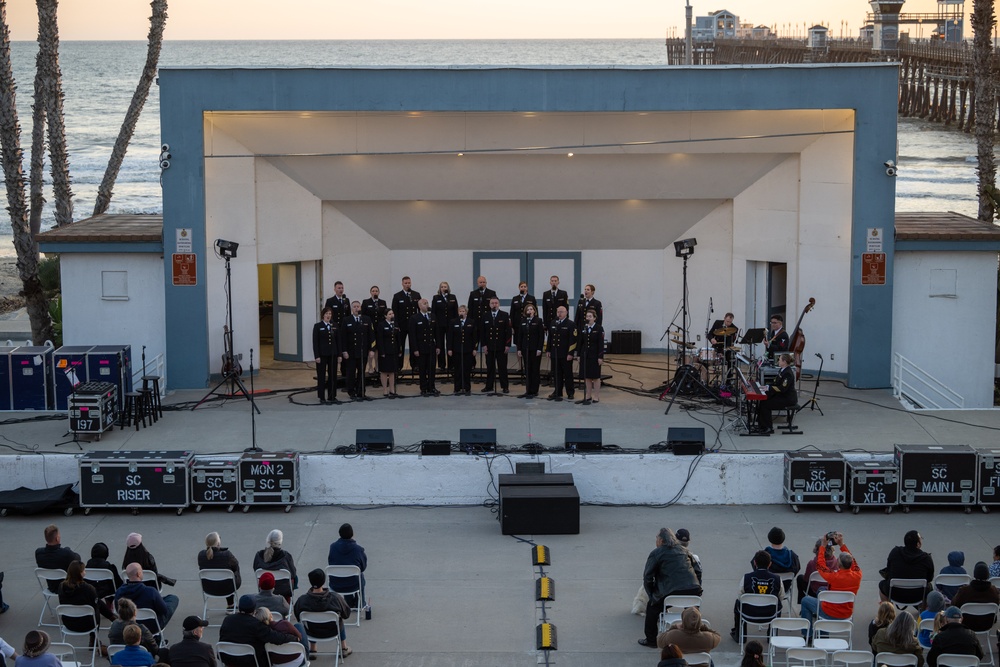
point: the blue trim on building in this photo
(944, 246)
(67, 247)
(869, 89)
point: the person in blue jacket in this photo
(346, 551)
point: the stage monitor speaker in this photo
(583, 439)
(435, 447)
(686, 441)
(530, 468)
(374, 440)
(539, 510)
(475, 440)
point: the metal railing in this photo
(920, 388)
(155, 366)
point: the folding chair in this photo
(698, 659)
(44, 576)
(357, 588)
(291, 648)
(852, 658)
(232, 650)
(924, 624)
(324, 621)
(953, 580)
(956, 660)
(61, 649)
(813, 657)
(787, 584)
(114, 648)
(980, 617)
(841, 631)
(279, 575)
(835, 597)
(77, 620)
(896, 659)
(99, 578)
(758, 610)
(676, 604)
(993, 580)
(907, 592)
(817, 578)
(148, 617)
(222, 581)
(794, 627)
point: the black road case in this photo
(93, 408)
(70, 363)
(815, 478)
(989, 478)
(31, 377)
(937, 475)
(873, 484)
(269, 479)
(215, 481)
(135, 479)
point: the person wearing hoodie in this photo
(956, 565)
(979, 589)
(690, 634)
(99, 555)
(346, 551)
(907, 562)
(935, 603)
(783, 559)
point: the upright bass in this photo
(797, 343)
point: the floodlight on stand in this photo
(685, 248)
(227, 249)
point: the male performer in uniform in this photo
(518, 303)
(462, 343)
(530, 345)
(326, 349)
(588, 302)
(374, 308)
(494, 336)
(404, 305)
(422, 347)
(479, 300)
(444, 309)
(357, 347)
(338, 303)
(777, 338)
(560, 348)
(552, 299)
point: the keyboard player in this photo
(780, 394)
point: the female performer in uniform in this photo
(387, 337)
(590, 350)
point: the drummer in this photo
(722, 336)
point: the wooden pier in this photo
(935, 80)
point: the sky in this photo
(431, 19)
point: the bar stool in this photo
(153, 380)
(132, 411)
(146, 405)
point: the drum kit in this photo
(718, 360)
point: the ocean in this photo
(936, 165)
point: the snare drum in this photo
(708, 355)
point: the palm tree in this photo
(36, 177)
(10, 147)
(983, 20)
(157, 22)
(50, 76)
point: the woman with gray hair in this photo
(272, 558)
(217, 557)
(670, 570)
(899, 637)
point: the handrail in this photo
(915, 384)
(155, 366)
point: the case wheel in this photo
(857, 509)
(86, 511)
(3, 512)
(66, 512)
(197, 509)
(906, 509)
(180, 510)
(888, 510)
(246, 508)
(230, 508)
(838, 508)
(986, 510)
(795, 508)
(288, 508)
(967, 510)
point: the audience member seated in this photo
(847, 578)
(954, 638)
(934, 605)
(245, 628)
(690, 634)
(683, 536)
(995, 565)
(907, 562)
(783, 559)
(263, 614)
(74, 590)
(346, 551)
(146, 597)
(956, 565)
(36, 647)
(320, 598)
(885, 615)
(7, 651)
(979, 589)
(191, 651)
(671, 656)
(133, 655)
(670, 570)
(273, 557)
(761, 582)
(136, 552)
(126, 617)
(54, 556)
(99, 561)
(899, 637)
(217, 557)
(803, 579)
(753, 654)
(266, 597)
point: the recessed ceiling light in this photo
(569, 155)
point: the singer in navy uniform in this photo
(517, 304)
(423, 348)
(444, 309)
(326, 349)
(387, 336)
(530, 345)
(357, 347)
(590, 350)
(495, 336)
(780, 394)
(552, 299)
(374, 308)
(338, 303)
(404, 303)
(479, 300)
(560, 347)
(588, 302)
(462, 343)
(777, 337)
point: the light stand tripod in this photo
(813, 402)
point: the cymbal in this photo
(678, 341)
(734, 348)
(725, 331)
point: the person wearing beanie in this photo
(244, 628)
(272, 557)
(136, 552)
(979, 589)
(266, 597)
(99, 555)
(954, 638)
(320, 598)
(35, 653)
(191, 651)
(217, 557)
(783, 559)
(956, 565)
(346, 551)
(691, 634)
(907, 562)
(935, 603)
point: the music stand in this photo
(752, 337)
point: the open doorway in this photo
(767, 293)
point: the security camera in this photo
(164, 148)
(164, 164)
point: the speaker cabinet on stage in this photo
(937, 474)
(539, 510)
(686, 441)
(5, 397)
(374, 440)
(536, 479)
(626, 342)
(583, 439)
(435, 448)
(70, 371)
(475, 440)
(31, 378)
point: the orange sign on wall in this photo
(873, 268)
(185, 269)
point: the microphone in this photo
(581, 295)
(819, 355)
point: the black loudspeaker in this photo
(539, 510)
(583, 439)
(530, 468)
(474, 440)
(686, 441)
(435, 447)
(374, 440)
(685, 384)
(626, 341)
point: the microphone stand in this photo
(253, 412)
(813, 402)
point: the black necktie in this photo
(357, 319)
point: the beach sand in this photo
(10, 284)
